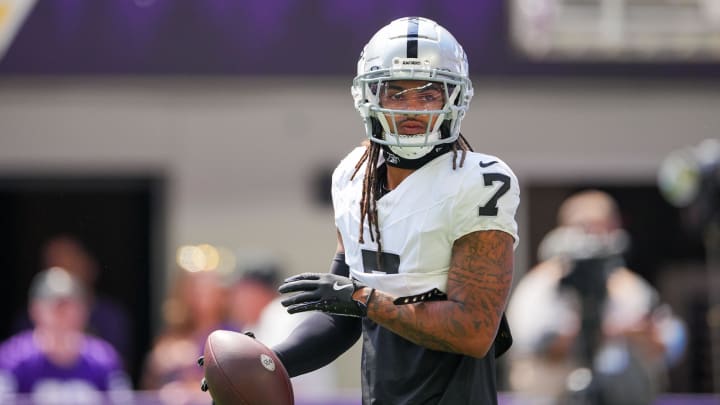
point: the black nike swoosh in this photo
(483, 164)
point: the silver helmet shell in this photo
(412, 48)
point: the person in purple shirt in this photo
(56, 361)
(107, 318)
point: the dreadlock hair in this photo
(371, 190)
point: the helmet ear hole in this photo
(445, 129)
(377, 129)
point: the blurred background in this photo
(172, 137)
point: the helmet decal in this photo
(412, 35)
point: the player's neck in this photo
(396, 175)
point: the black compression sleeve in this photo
(321, 338)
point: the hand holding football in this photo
(241, 370)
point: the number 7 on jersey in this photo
(490, 209)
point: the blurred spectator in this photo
(195, 306)
(252, 290)
(56, 362)
(107, 319)
(255, 306)
(588, 330)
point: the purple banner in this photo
(266, 37)
(224, 36)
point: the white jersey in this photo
(421, 219)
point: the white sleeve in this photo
(341, 175)
(488, 200)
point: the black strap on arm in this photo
(503, 339)
(321, 338)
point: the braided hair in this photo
(371, 190)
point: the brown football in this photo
(240, 370)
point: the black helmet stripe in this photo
(412, 35)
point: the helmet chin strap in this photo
(395, 160)
(412, 152)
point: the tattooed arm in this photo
(478, 285)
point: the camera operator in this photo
(588, 330)
(689, 178)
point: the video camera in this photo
(590, 259)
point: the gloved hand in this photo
(203, 382)
(324, 292)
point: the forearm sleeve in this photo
(321, 338)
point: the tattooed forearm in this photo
(478, 285)
(481, 274)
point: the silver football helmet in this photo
(417, 49)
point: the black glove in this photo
(203, 382)
(324, 292)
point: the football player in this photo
(426, 235)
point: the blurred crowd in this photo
(72, 344)
(587, 329)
